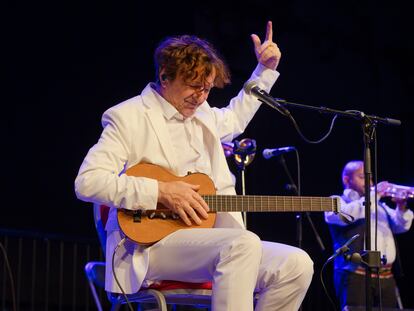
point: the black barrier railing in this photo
(48, 271)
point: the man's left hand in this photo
(267, 53)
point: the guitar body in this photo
(152, 229)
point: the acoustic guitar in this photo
(148, 227)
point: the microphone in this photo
(268, 153)
(344, 248)
(251, 88)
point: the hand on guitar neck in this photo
(183, 199)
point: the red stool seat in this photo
(172, 285)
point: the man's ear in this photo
(345, 180)
(162, 78)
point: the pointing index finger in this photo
(269, 31)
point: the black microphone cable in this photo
(115, 277)
(334, 306)
(296, 126)
(276, 103)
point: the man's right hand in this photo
(182, 199)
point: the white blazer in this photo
(135, 131)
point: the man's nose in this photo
(201, 96)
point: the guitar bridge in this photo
(136, 216)
(160, 215)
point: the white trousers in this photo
(238, 264)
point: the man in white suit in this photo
(170, 124)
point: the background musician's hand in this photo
(382, 188)
(182, 199)
(400, 204)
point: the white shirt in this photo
(397, 221)
(187, 140)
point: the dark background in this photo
(66, 63)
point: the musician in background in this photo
(171, 124)
(349, 278)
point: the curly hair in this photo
(190, 58)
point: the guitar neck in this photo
(257, 203)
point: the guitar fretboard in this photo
(258, 203)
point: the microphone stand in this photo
(371, 258)
(244, 152)
(297, 191)
(369, 122)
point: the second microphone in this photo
(269, 153)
